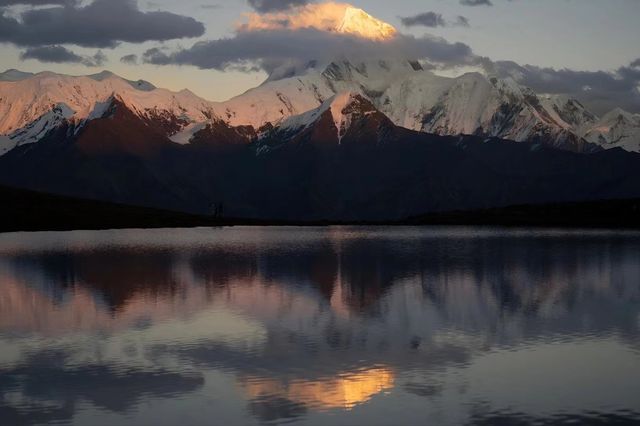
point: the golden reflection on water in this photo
(344, 391)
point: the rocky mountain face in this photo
(347, 118)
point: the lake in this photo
(320, 326)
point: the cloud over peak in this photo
(313, 32)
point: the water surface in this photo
(320, 326)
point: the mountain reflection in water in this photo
(320, 325)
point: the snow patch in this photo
(184, 136)
(37, 129)
(100, 109)
(341, 120)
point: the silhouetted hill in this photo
(24, 210)
(594, 214)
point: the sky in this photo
(579, 47)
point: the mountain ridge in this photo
(409, 95)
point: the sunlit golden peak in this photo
(358, 22)
(331, 17)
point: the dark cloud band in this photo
(427, 19)
(433, 20)
(60, 55)
(36, 2)
(476, 2)
(277, 47)
(103, 23)
(265, 6)
(129, 59)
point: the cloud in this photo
(264, 6)
(56, 389)
(601, 90)
(433, 20)
(102, 23)
(35, 2)
(462, 21)
(476, 2)
(59, 55)
(309, 33)
(314, 32)
(129, 59)
(270, 49)
(427, 19)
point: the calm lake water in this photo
(320, 326)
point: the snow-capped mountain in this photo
(330, 17)
(617, 128)
(412, 97)
(31, 105)
(334, 139)
(407, 92)
(345, 160)
(358, 22)
(417, 99)
(37, 129)
(570, 111)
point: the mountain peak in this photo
(102, 75)
(333, 120)
(360, 23)
(340, 106)
(28, 102)
(323, 16)
(618, 115)
(143, 85)
(347, 103)
(14, 75)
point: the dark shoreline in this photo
(29, 211)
